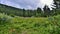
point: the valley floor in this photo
(33, 25)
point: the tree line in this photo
(28, 13)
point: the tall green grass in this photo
(33, 25)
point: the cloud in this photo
(49, 3)
(10, 3)
(27, 4)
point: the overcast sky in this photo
(27, 4)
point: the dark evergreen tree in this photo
(46, 11)
(38, 10)
(23, 12)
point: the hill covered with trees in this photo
(28, 13)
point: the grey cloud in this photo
(21, 3)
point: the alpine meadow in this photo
(43, 20)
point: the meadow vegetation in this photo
(33, 25)
(18, 21)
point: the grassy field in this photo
(26, 25)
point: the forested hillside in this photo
(27, 13)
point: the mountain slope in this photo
(12, 11)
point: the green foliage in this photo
(4, 19)
(26, 25)
(27, 13)
(21, 21)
